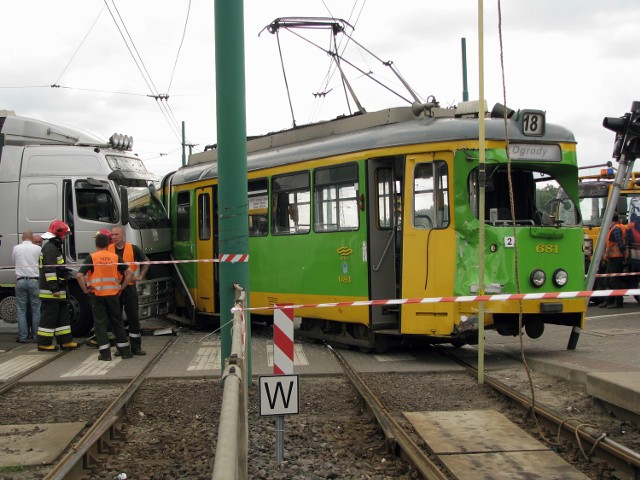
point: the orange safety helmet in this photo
(106, 232)
(59, 228)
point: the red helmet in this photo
(59, 228)
(106, 232)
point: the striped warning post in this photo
(282, 340)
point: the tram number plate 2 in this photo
(509, 242)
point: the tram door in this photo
(428, 263)
(205, 297)
(383, 217)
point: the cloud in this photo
(575, 59)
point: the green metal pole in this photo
(184, 157)
(465, 91)
(233, 225)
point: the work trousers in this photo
(615, 265)
(107, 312)
(54, 322)
(129, 301)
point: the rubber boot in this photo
(91, 342)
(105, 355)
(69, 346)
(136, 346)
(124, 353)
(47, 348)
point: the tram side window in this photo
(336, 198)
(258, 207)
(290, 204)
(204, 216)
(385, 198)
(183, 216)
(431, 195)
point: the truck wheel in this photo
(9, 309)
(81, 318)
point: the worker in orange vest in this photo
(614, 254)
(129, 297)
(106, 276)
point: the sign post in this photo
(279, 393)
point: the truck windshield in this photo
(592, 209)
(145, 208)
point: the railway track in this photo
(591, 442)
(397, 439)
(100, 406)
(107, 428)
(567, 432)
(170, 424)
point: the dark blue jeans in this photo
(28, 295)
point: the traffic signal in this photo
(618, 125)
(627, 130)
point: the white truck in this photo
(52, 172)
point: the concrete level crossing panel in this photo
(484, 444)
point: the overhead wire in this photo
(516, 253)
(161, 100)
(184, 33)
(352, 65)
(57, 82)
(333, 67)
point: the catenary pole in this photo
(481, 181)
(233, 225)
(184, 141)
(465, 91)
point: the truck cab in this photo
(49, 172)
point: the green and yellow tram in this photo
(385, 205)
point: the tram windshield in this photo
(538, 198)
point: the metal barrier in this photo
(233, 428)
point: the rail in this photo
(397, 440)
(233, 427)
(80, 455)
(625, 460)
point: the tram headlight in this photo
(560, 278)
(537, 278)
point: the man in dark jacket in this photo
(54, 313)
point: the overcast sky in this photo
(576, 59)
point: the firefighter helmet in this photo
(59, 228)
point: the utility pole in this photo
(184, 158)
(233, 224)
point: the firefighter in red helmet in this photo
(55, 314)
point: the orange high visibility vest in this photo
(635, 246)
(613, 249)
(127, 256)
(104, 277)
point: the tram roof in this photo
(387, 128)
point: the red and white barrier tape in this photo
(222, 258)
(625, 274)
(464, 299)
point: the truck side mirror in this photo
(124, 205)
